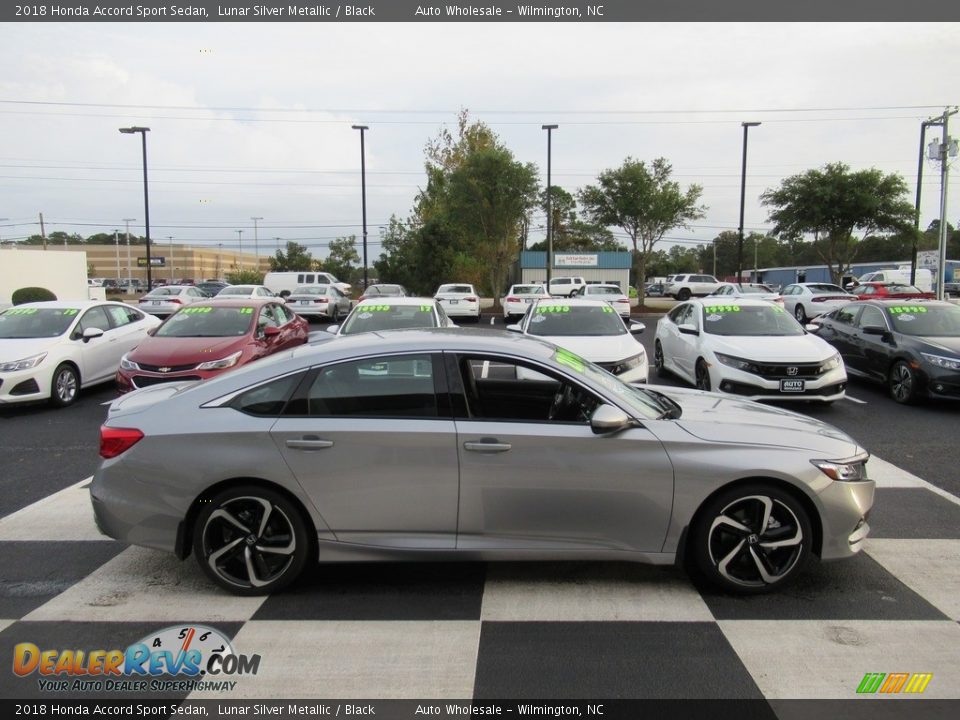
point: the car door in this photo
(367, 442)
(535, 479)
(129, 326)
(843, 338)
(99, 358)
(872, 351)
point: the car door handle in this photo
(309, 443)
(486, 446)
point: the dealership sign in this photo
(565, 260)
(155, 261)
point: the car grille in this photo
(736, 388)
(781, 371)
(146, 380)
(169, 368)
(27, 387)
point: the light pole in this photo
(549, 129)
(127, 222)
(146, 196)
(363, 194)
(170, 259)
(278, 243)
(256, 245)
(240, 236)
(743, 190)
(116, 244)
(219, 251)
(916, 214)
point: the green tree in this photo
(570, 233)
(343, 259)
(296, 257)
(833, 204)
(644, 202)
(245, 277)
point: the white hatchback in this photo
(751, 348)
(49, 350)
(591, 329)
(459, 300)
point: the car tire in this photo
(902, 382)
(232, 557)
(683, 295)
(335, 315)
(64, 386)
(800, 314)
(702, 375)
(658, 360)
(751, 539)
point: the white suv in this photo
(566, 286)
(683, 287)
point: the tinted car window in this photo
(267, 400)
(21, 322)
(872, 316)
(847, 315)
(94, 318)
(749, 320)
(383, 316)
(395, 386)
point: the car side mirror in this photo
(812, 327)
(91, 333)
(271, 331)
(636, 328)
(515, 328)
(152, 331)
(874, 330)
(687, 329)
(608, 419)
(332, 329)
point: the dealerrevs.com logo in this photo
(196, 656)
(894, 683)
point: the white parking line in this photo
(854, 400)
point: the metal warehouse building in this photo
(819, 273)
(594, 267)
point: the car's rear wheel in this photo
(64, 386)
(658, 359)
(752, 539)
(800, 314)
(702, 375)
(683, 295)
(251, 540)
(902, 382)
(335, 315)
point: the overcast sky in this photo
(254, 119)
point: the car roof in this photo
(233, 302)
(588, 302)
(69, 305)
(604, 285)
(897, 302)
(743, 300)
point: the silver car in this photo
(427, 444)
(806, 301)
(320, 301)
(169, 299)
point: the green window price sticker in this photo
(246, 311)
(721, 308)
(196, 310)
(553, 309)
(907, 309)
(565, 357)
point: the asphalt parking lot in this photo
(511, 630)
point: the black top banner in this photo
(480, 11)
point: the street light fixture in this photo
(146, 196)
(743, 189)
(363, 191)
(549, 129)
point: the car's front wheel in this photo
(658, 360)
(64, 386)
(752, 539)
(902, 382)
(251, 540)
(702, 375)
(800, 314)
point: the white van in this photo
(924, 278)
(284, 283)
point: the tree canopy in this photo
(296, 257)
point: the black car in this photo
(911, 346)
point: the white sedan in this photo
(519, 297)
(459, 300)
(591, 329)
(170, 298)
(749, 348)
(49, 350)
(247, 291)
(611, 294)
(809, 300)
(731, 291)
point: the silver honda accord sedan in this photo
(457, 444)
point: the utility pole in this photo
(129, 272)
(43, 233)
(170, 259)
(916, 217)
(947, 148)
(256, 245)
(116, 246)
(240, 248)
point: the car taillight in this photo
(178, 301)
(513, 299)
(362, 298)
(321, 300)
(470, 299)
(114, 441)
(820, 299)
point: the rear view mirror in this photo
(609, 419)
(91, 333)
(514, 328)
(687, 329)
(636, 327)
(332, 329)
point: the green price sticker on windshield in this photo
(907, 309)
(22, 311)
(607, 309)
(70, 312)
(425, 308)
(565, 357)
(246, 311)
(377, 308)
(196, 310)
(721, 308)
(553, 309)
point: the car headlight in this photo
(223, 363)
(127, 364)
(843, 470)
(738, 363)
(832, 364)
(940, 361)
(629, 363)
(26, 363)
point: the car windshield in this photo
(311, 290)
(755, 290)
(601, 290)
(208, 321)
(384, 316)
(926, 320)
(26, 322)
(559, 320)
(526, 290)
(826, 288)
(236, 290)
(902, 289)
(163, 292)
(464, 289)
(385, 290)
(750, 320)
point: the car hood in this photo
(793, 348)
(947, 344)
(19, 348)
(603, 348)
(724, 419)
(185, 350)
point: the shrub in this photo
(31, 294)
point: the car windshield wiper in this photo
(671, 410)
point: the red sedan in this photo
(209, 337)
(890, 291)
